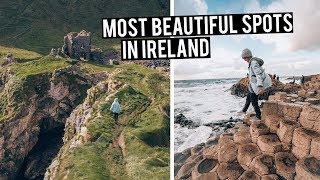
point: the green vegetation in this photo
(145, 127)
(40, 25)
(19, 54)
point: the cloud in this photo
(306, 15)
(284, 54)
(190, 7)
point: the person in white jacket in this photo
(258, 81)
(115, 108)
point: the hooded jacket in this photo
(115, 106)
(258, 79)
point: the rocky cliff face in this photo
(283, 145)
(55, 119)
(35, 110)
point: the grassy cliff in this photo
(40, 25)
(144, 129)
(136, 149)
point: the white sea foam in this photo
(203, 101)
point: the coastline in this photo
(284, 144)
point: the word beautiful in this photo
(198, 25)
(165, 48)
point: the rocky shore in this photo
(241, 88)
(285, 144)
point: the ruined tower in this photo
(77, 45)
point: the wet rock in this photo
(212, 142)
(263, 164)
(197, 148)
(205, 169)
(308, 168)
(186, 170)
(285, 164)
(246, 153)
(230, 171)
(184, 122)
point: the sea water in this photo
(205, 101)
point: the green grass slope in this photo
(40, 25)
(145, 127)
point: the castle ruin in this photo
(77, 45)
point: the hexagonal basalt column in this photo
(269, 143)
(301, 141)
(308, 168)
(205, 169)
(285, 164)
(246, 153)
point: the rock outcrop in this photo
(311, 84)
(36, 109)
(283, 145)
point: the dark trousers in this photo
(253, 99)
(116, 116)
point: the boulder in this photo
(263, 164)
(230, 171)
(301, 141)
(205, 169)
(285, 132)
(269, 143)
(308, 168)
(285, 164)
(257, 129)
(249, 174)
(228, 152)
(246, 153)
(272, 121)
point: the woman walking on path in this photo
(115, 108)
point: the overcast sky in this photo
(284, 54)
